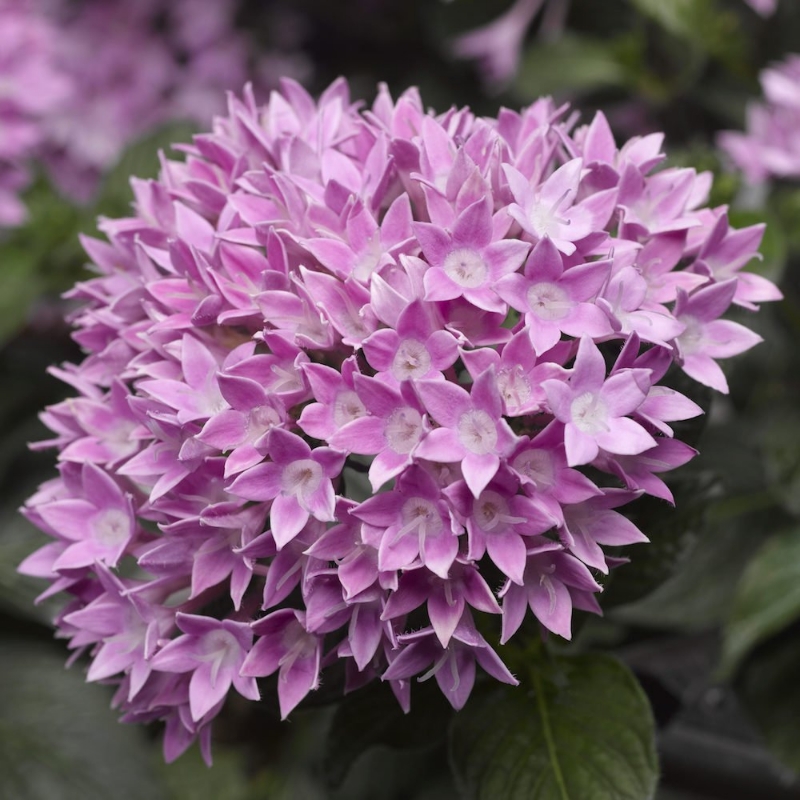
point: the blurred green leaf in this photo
(572, 63)
(770, 692)
(698, 596)
(705, 24)
(59, 740)
(18, 540)
(781, 444)
(581, 730)
(189, 778)
(21, 286)
(768, 598)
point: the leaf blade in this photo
(523, 744)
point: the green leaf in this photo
(768, 598)
(59, 740)
(770, 692)
(698, 596)
(372, 717)
(572, 63)
(582, 730)
(190, 779)
(672, 531)
(702, 23)
(21, 285)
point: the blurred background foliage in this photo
(707, 617)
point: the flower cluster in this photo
(770, 147)
(345, 370)
(32, 88)
(83, 80)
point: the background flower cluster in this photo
(83, 80)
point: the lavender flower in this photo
(770, 145)
(82, 81)
(765, 8)
(318, 294)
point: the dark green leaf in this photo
(768, 687)
(698, 596)
(582, 730)
(59, 740)
(768, 598)
(372, 716)
(671, 531)
(190, 779)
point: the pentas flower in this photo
(765, 8)
(770, 145)
(595, 410)
(344, 369)
(80, 82)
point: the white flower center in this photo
(491, 510)
(514, 387)
(692, 339)
(412, 360)
(548, 301)
(419, 515)
(221, 648)
(589, 414)
(299, 645)
(545, 220)
(286, 378)
(260, 420)
(403, 429)
(536, 465)
(301, 477)
(347, 407)
(466, 268)
(111, 527)
(477, 431)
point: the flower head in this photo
(345, 367)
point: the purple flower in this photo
(555, 300)
(297, 479)
(345, 366)
(594, 410)
(770, 145)
(393, 430)
(286, 647)
(416, 525)
(472, 430)
(764, 7)
(551, 579)
(213, 651)
(707, 337)
(416, 349)
(469, 262)
(99, 523)
(452, 666)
